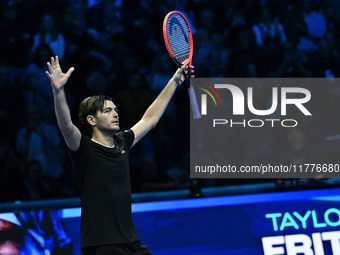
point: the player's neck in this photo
(103, 139)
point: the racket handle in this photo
(193, 102)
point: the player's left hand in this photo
(179, 77)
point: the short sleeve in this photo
(128, 136)
(84, 145)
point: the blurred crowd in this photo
(117, 48)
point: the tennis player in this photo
(101, 163)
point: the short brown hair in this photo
(90, 106)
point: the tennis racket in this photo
(178, 41)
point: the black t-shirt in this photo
(103, 177)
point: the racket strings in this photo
(178, 37)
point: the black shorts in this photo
(134, 248)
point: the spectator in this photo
(325, 63)
(66, 181)
(160, 73)
(269, 36)
(40, 141)
(158, 78)
(48, 187)
(330, 9)
(49, 34)
(17, 40)
(218, 58)
(135, 99)
(128, 67)
(34, 83)
(243, 55)
(203, 48)
(206, 19)
(33, 173)
(96, 84)
(293, 64)
(105, 17)
(133, 102)
(294, 24)
(269, 31)
(235, 21)
(316, 27)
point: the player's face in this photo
(107, 119)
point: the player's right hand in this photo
(57, 78)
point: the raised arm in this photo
(157, 108)
(58, 79)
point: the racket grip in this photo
(193, 102)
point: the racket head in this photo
(178, 38)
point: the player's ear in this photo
(91, 120)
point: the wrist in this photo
(174, 82)
(57, 91)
